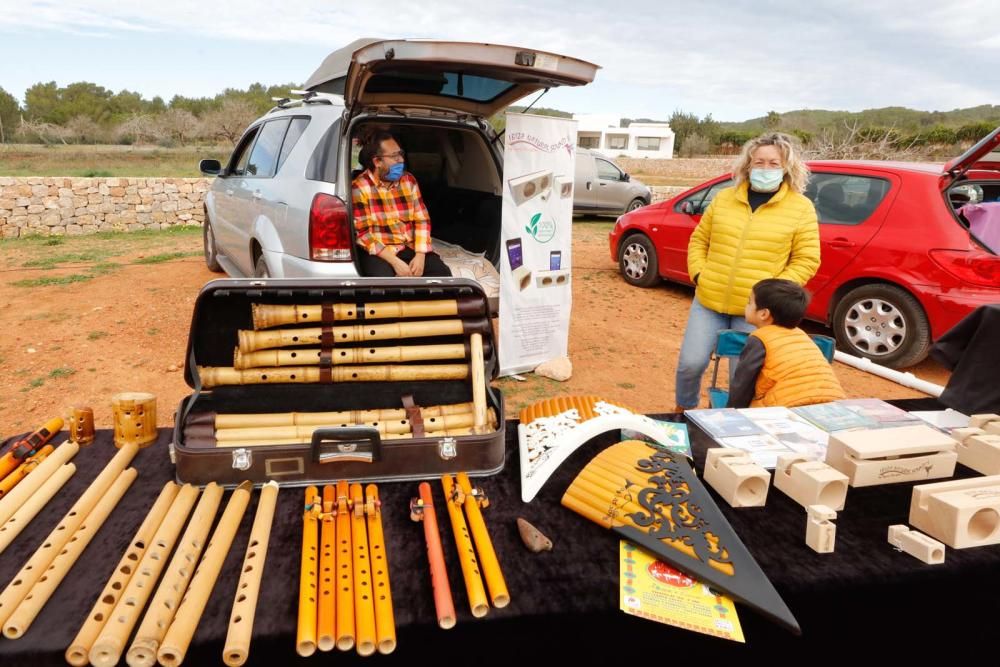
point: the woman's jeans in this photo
(703, 327)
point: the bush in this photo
(695, 144)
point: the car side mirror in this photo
(626, 177)
(210, 167)
(687, 207)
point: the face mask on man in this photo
(395, 172)
(766, 180)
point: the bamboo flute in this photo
(26, 489)
(466, 552)
(237, 647)
(345, 570)
(268, 315)
(178, 638)
(11, 459)
(177, 574)
(422, 509)
(62, 533)
(252, 341)
(215, 376)
(305, 636)
(484, 546)
(79, 649)
(392, 354)
(397, 427)
(294, 441)
(21, 471)
(247, 420)
(26, 612)
(478, 369)
(326, 629)
(364, 604)
(35, 504)
(385, 623)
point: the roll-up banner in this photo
(535, 290)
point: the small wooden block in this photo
(980, 420)
(916, 544)
(735, 477)
(981, 453)
(892, 455)
(821, 533)
(810, 482)
(522, 277)
(961, 513)
(961, 434)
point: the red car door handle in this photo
(841, 243)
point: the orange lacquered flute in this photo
(326, 630)
(19, 473)
(28, 445)
(484, 546)
(364, 605)
(345, 570)
(385, 623)
(305, 642)
(422, 509)
(466, 552)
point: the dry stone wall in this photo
(52, 206)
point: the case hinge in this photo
(447, 449)
(242, 459)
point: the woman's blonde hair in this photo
(796, 171)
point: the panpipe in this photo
(178, 638)
(35, 504)
(474, 500)
(478, 603)
(28, 445)
(385, 622)
(25, 613)
(176, 575)
(21, 471)
(364, 605)
(305, 637)
(36, 566)
(422, 509)
(215, 376)
(345, 570)
(79, 649)
(252, 341)
(266, 316)
(326, 629)
(237, 646)
(392, 354)
(26, 489)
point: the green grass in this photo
(61, 372)
(96, 335)
(56, 260)
(153, 331)
(165, 257)
(49, 281)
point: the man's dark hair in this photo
(372, 146)
(785, 299)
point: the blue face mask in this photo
(766, 180)
(395, 172)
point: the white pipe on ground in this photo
(906, 379)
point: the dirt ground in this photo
(119, 322)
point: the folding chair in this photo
(730, 344)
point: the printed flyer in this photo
(654, 590)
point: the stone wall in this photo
(52, 206)
(661, 192)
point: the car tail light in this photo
(973, 267)
(329, 229)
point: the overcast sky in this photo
(735, 60)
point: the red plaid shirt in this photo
(390, 215)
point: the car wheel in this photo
(634, 204)
(883, 323)
(260, 268)
(211, 251)
(637, 261)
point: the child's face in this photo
(753, 315)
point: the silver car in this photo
(280, 207)
(604, 188)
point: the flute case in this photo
(355, 453)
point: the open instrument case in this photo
(260, 423)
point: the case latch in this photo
(172, 451)
(447, 449)
(242, 459)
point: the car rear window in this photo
(449, 84)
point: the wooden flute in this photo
(474, 499)
(326, 629)
(385, 623)
(20, 494)
(364, 605)
(331, 337)
(21, 471)
(422, 509)
(247, 420)
(215, 376)
(394, 427)
(466, 552)
(393, 354)
(38, 501)
(345, 570)
(25, 447)
(270, 315)
(305, 638)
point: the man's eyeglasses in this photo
(398, 155)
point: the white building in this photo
(605, 133)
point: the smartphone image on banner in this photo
(555, 260)
(514, 253)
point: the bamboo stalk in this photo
(393, 354)
(221, 375)
(270, 315)
(247, 420)
(26, 489)
(250, 341)
(398, 427)
(35, 504)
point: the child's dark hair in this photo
(785, 299)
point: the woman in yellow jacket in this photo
(761, 227)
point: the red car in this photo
(901, 261)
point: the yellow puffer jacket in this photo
(795, 372)
(733, 248)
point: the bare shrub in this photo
(695, 144)
(863, 143)
(229, 120)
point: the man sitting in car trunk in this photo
(391, 220)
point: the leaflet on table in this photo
(653, 590)
(945, 420)
(765, 433)
(723, 422)
(673, 436)
(855, 413)
(884, 414)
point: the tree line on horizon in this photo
(86, 113)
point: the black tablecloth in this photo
(564, 602)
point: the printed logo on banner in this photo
(541, 230)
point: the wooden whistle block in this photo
(522, 277)
(735, 477)
(981, 420)
(961, 434)
(962, 513)
(892, 455)
(916, 544)
(821, 533)
(981, 453)
(810, 482)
